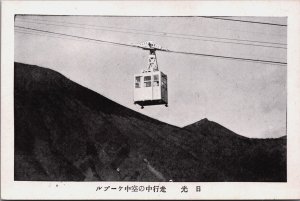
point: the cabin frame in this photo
(151, 88)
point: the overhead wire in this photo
(80, 37)
(157, 33)
(233, 58)
(171, 51)
(201, 36)
(54, 36)
(246, 21)
(45, 34)
(247, 44)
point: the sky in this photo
(248, 98)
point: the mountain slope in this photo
(66, 132)
(248, 157)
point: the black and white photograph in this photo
(150, 99)
(105, 98)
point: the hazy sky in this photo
(246, 97)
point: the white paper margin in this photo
(11, 189)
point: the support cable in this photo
(171, 51)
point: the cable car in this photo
(151, 85)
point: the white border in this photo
(213, 190)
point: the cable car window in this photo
(147, 78)
(164, 81)
(155, 77)
(147, 81)
(147, 84)
(138, 82)
(138, 79)
(156, 83)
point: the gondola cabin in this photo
(151, 85)
(150, 88)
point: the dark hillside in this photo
(66, 132)
(259, 158)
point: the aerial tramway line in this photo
(151, 85)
